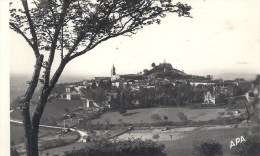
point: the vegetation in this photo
(135, 147)
(156, 136)
(60, 140)
(183, 117)
(96, 93)
(165, 117)
(13, 152)
(156, 117)
(166, 94)
(207, 148)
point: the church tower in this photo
(114, 76)
(113, 70)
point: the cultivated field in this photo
(144, 115)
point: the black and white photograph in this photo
(130, 77)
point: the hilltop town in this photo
(201, 89)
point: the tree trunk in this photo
(34, 144)
(25, 104)
(27, 129)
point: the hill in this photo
(165, 70)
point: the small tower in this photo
(164, 61)
(114, 76)
(113, 70)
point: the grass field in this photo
(183, 146)
(144, 115)
(17, 133)
(54, 110)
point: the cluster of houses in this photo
(137, 81)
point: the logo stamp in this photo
(237, 141)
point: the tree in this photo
(165, 117)
(120, 120)
(153, 65)
(112, 103)
(59, 89)
(74, 27)
(156, 136)
(93, 85)
(122, 108)
(107, 121)
(145, 71)
(14, 152)
(101, 84)
(183, 117)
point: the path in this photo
(82, 133)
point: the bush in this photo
(156, 136)
(14, 152)
(251, 147)
(207, 148)
(183, 117)
(52, 143)
(156, 117)
(135, 147)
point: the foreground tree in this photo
(73, 28)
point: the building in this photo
(210, 77)
(209, 98)
(72, 96)
(69, 89)
(89, 104)
(114, 76)
(104, 79)
(196, 83)
(116, 83)
(78, 88)
(72, 93)
(132, 77)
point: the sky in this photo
(222, 37)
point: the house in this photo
(196, 83)
(72, 96)
(70, 88)
(115, 77)
(72, 93)
(209, 98)
(89, 104)
(132, 77)
(78, 88)
(115, 83)
(104, 79)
